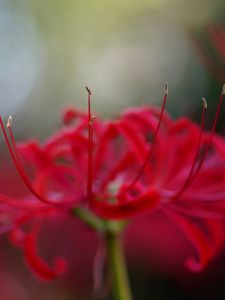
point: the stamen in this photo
(15, 157)
(187, 181)
(91, 119)
(132, 184)
(211, 134)
(193, 173)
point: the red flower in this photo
(142, 162)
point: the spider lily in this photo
(119, 169)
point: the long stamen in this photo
(90, 148)
(132, 184)
(189, 177)
(211, 134)
(15, 157)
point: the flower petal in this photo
(202, 237)
(37, 264)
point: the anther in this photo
(166, 90)
(9, 122)
(88, 90)
(91, 122)
(204, 103)
(223, 90)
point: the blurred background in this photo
(125, 51)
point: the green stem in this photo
(111, 231)
(89, 218)
(117, 266)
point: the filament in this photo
(211, 133)
(192, 175)
(90, 149)
(132, 184)
(187, 181)
(15, 157)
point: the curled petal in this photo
(38, 265)
(200, 238)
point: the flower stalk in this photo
(89, 218)
(116, 263)
(115, 257)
